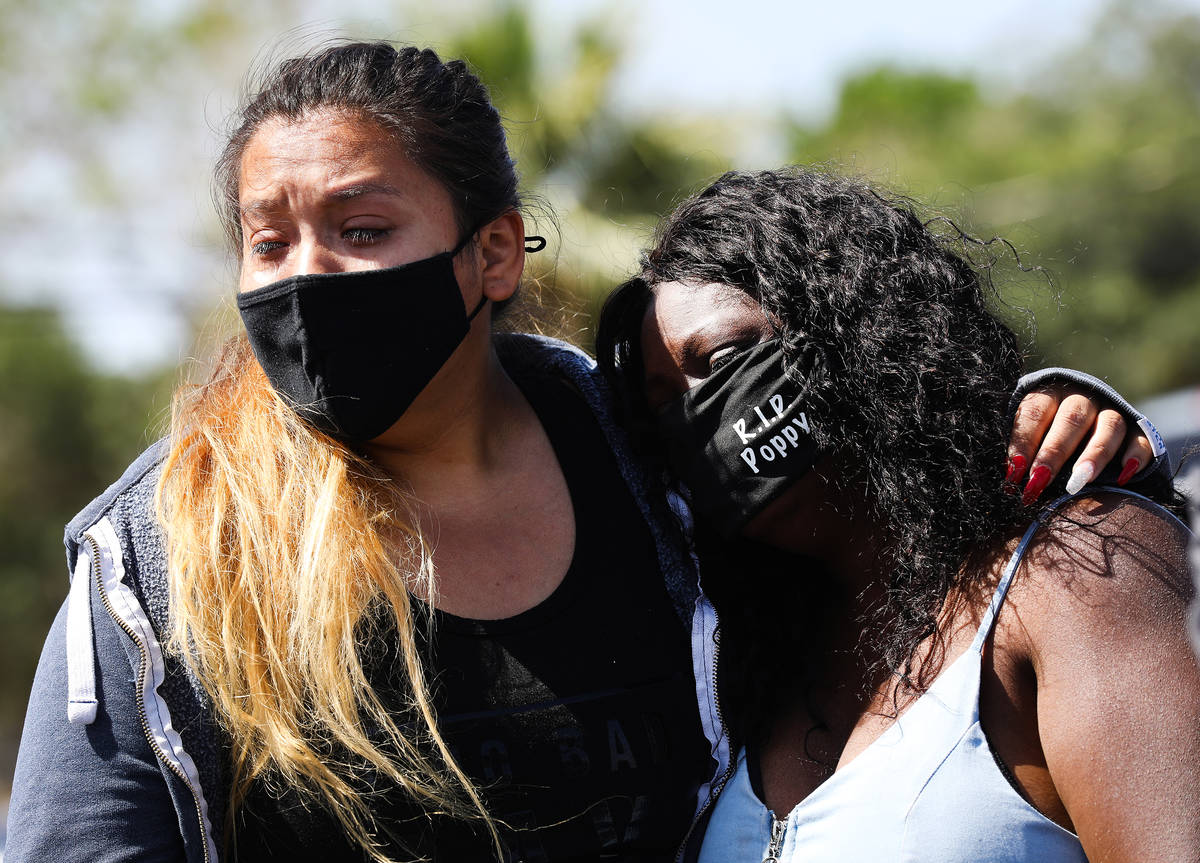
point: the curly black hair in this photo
(886, 328)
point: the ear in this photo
(502, 248)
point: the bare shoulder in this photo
(1108, 561)
(1098, 617)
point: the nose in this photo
(314, 256)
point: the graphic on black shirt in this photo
(577, 719)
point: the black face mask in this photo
(351, 351)
(739, 439)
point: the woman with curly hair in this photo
(916, 665)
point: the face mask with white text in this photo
(739, 438)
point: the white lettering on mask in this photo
(740, 427)
(780, 445)
(775, 403)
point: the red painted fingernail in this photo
(1127, 472)
(1016, 468)
(1038, 480)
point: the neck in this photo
(456, 433)
(825, 518)
(856, 563)
(844, 538)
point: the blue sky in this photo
(739, 53)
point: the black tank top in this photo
(577, 719)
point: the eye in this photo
(721, 356)
(265, 248)
(364, 236)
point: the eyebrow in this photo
(358, 190)
(689, 348)
(346, 193)
(255, 207)
(694, 343)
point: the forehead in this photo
(320, 150)
(681, 311)
(683, 324)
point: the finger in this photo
(1034, 416)
(1070, 426)
(1137, 455)
(1100, 449)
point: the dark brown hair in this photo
(439, 112)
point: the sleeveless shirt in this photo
(928, 789)
(576, 718)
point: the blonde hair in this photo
(287, 553)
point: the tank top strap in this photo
(1158, 506)
(993, 609)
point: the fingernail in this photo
(1081, 475)
(1016, 468)
(1038, 480)
(1127, 472)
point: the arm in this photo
(1060, 412)
(89, 792)
(1118, 688)
(1194, 513)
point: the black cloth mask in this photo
(739, 438)
(350, 351)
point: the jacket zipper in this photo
(778, 828)
(143, 670)
(719, 783)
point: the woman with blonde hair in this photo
(393, 587)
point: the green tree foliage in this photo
(1094, 172)
(607, 177)
(550, 111)
(564, 128)
(67, 432)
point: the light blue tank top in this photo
(927, 790)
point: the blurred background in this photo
(1071, 128)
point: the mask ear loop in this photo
(532, 244)
(462, 244)
(477, 308)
